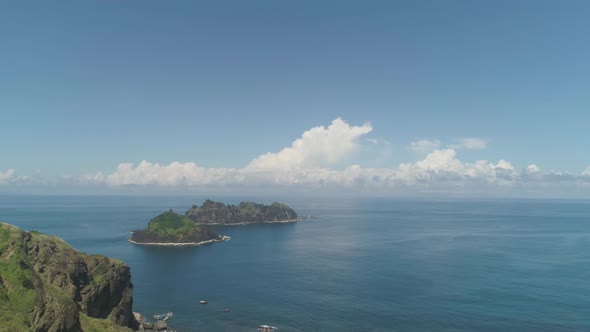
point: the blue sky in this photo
(86, 86)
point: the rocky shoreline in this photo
(255, 222)
(180, 244)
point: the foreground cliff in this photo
(46, 285)
(246, 212)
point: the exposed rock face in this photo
(246, 212)
(48, 286)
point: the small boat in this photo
(267, 328)
(203, 302)
(226, 309)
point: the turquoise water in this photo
(364, 265)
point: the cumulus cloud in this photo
(533, 169)
(10, 177)
(424, 145)
(442, 166)
(439, 170)
(172, 175)
(315, 159)
(440, 161)
(318, 147)
(308, 162)
(7, 176)
(532, 172)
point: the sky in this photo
(373, 97)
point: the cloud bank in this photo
(9, 177)
(312, 162)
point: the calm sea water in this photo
(364, 265)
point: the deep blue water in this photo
(364, 265)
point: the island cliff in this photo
(246, 212)
(47, 286)
(170, 228)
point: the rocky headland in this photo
(47, 286)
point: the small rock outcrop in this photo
(47, 286)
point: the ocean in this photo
(362, 265)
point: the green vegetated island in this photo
(47, 286)
(212, 213)
(173, 229)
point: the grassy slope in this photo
(170, 224)
(90, 324)
(18, 294)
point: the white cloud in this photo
(7, 176)
(443, 167)
(533, 169)
(561, 177)
(532, 173)
(318, 147)
(306, 164)
(173, 175)
(10, 177)
(301, 163)
(312, 161)
(440, 161)
(424, 145)
(470, 143)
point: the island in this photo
(46, 285)
(192, 228)
(218, 213)
(173, 229)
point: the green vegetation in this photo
(45, 285)
(17, 294)
(170, 227)
(246, 212)
(90, 324)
